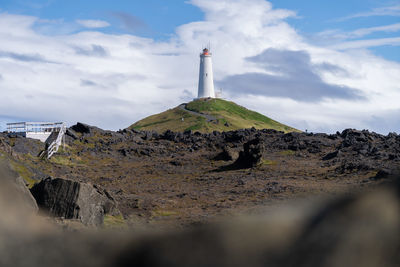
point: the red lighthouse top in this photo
(205, 51)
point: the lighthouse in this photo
(206, 80)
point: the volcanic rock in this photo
(382, 173)
(227, 154)
(81, 128)
(71, 133)
(251, 155)
(74, 200)
(22, 145)
(331, 155)
(353, 137)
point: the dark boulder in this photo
(58, 196)
(74, 200)
(188, 132)
(149, 135)
(71, 133)
(331, 155)
(90, 131)
(227, 154)
(176, 163)
(382, 174)
(353, 137)
(251, 155)
(355, 166)
(313, 149)
(294, 141)
(235, 136)
(81, 128)
(170, 136)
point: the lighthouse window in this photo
(206, 74)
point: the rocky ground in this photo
(360, 230)
(169, 179)
(241, 198)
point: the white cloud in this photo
(113, 80)
(337, 34)
(366, 31)
(380, 11)
(395, 41)
(90, 23)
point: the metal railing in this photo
(34, 127)
(50, 128)
(53, 147)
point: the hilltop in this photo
(207, 115)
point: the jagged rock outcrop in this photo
(81, 128)
(74, 200)
(251, 155)
(227, 154)
(71, 133)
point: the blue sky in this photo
(155, 18)
(338, 62)
(159, 18)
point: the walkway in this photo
(209, 118)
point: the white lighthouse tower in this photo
(206, 80)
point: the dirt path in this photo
(209, 118)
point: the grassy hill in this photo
(215, 114)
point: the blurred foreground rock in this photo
(16, 187)
(360, 230)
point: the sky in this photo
(318, 66)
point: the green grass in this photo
(114, 221)
(169, 120)
(73, 159)
(287, 152)
(213, 106)
(268, 162)
(201, 123)
(236, 116)
(163, 213)
(61, 160)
